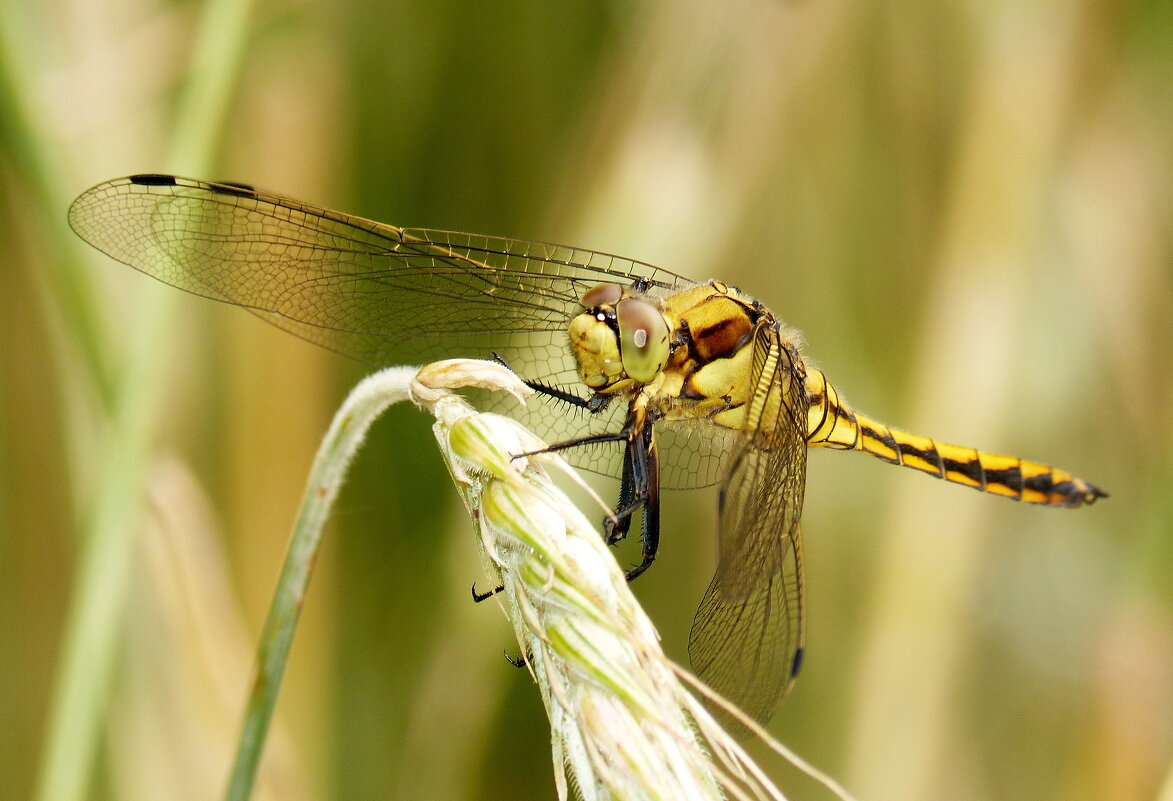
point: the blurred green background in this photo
(965, 208)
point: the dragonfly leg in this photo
(518, 661)
(640, 486)
(594, 404)
(594, 439)
(651, 504)
(477, 597)
(616, 526)
(640, 489)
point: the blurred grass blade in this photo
(346, 433)
(92, 634)
(24, 134)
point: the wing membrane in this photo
(746, 639)
(377, 293)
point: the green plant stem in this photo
(91, 644)
(347, 431)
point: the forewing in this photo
(375, 292)
(747, 636)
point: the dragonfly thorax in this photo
(620, 340)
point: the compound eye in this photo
(643, 339)
(602, 295)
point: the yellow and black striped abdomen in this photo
(831, 424)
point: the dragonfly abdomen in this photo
(832, 424)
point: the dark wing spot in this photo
(241, 190)
(796, 665)
(153, 179)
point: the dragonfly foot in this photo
(614, 530)
(638, 570)
(518, 661)
(477, 597)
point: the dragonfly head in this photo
(618, 340)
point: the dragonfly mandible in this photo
(689, 383)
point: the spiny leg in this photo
(519, 661)
(640, 489)
(594, 404)
(640, 484)
(651, 504)
(615, 528)
(477, 597)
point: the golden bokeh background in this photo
(965, 208)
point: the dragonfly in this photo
(659, 380)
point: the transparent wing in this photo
(746, 639)
(375, 292)
(380, 294)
